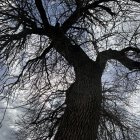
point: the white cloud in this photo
(8, 124)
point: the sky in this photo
(8, 126)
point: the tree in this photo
(61, 49)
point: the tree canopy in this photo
(60, 55)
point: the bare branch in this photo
(79, 12)
(42, 12)
(120, 56)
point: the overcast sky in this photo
(8, 124)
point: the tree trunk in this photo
(83, 99)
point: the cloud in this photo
(8, 124)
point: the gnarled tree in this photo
(61, 48)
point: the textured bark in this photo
(81, 117)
